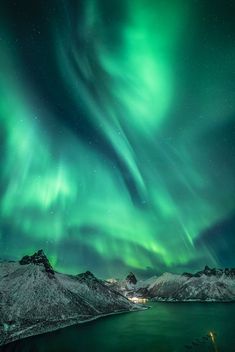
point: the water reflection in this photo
(206, 341)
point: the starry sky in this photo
(117, 134)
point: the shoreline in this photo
(23, 334)
(189, 301)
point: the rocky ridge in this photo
(35, 299)
(38, 258)
(210, 285)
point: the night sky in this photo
(117, 134)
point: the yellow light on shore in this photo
(138, 299)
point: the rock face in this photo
(35, 299)
(126, 286)
(38, 258)
(131, 279)
(131, 287)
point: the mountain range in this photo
(35, 299)
(208, 285)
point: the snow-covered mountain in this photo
(123, 286)
(206, 285)
(130, 286)
(35, 299)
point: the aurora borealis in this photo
(117, 131)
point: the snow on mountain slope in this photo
(130, 287)
(123, 286)
(34, 299)
(29, 293)
(206, 285)
(207, 289)
(146, 283)
(86, 284)
(165, 285)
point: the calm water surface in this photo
(165, 327)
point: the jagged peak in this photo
(131, 278)
(212, 272)
(86, 276)
(38, 258)
(89, 274)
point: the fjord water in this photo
(166, 327)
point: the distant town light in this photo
(138, 299)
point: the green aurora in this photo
(117, 130)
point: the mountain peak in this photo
(131, 278)
(38, 258)
(212, 272)
(86, 276)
